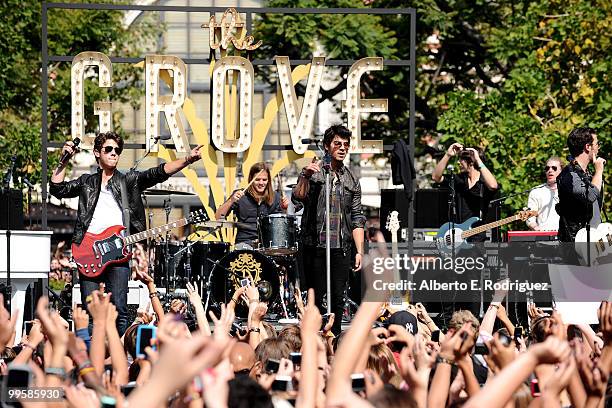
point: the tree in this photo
(510, 76)
(69, 32)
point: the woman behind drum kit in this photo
(259, 200)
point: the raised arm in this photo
(226, 207)
(300, 191)
(438, 173)
(499, 390)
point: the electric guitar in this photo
(601, 243)
(97, 251)
(461, 232)
(398, 298)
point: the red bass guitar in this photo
(97, 251)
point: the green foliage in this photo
(511, 76)
(69, 32)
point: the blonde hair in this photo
(460, 317)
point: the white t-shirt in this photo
(544, 199)
(106, 214)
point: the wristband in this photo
(482, 166)
(29, 346)
(85, 364)
(153, 294)
(495, 306)
(57, 371)
(86, 370)
(255, 329)
(234, 300)
(444, 360)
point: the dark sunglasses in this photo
(108, 149)
(338, 144)
(554, 168)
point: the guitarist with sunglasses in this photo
(100, 207)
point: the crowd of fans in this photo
(60, 269)
(384, 359)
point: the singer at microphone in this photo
(544, 198)
(346, 221)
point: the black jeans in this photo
(316, 278)
(116, 279)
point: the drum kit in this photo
(218, 271)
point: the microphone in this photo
(66, 156)
(162, 137)
(25, 181)
(9, 173)
(327, 161)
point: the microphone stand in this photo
(156, 140)
(327, 167)
(7, 193)
(452, 216)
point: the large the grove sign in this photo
(300, 120)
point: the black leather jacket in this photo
(314, 208)
(87, 188)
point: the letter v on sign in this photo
(300, 123)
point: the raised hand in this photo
(178, 306)
(80, 317)
(454, 149)
(52, 324)
(258, 313)
(500, 354)
(98, 307)
(399, 334)
(594, 377)
(551, 351)
(237, 195)
(311, 318)
(535, 312)
(223, 324)
(456, 346)
(604, 314)
(194, 296)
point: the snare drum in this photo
(278, 234)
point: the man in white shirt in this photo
(543, 199)
(100, 207)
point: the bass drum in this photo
(243, 264)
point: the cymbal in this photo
(159, 192)
(221, 224)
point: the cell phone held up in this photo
(358, 382)
(282, 383)
(324, 320)
(144, 335)
(272, 366)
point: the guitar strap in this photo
(125, 205)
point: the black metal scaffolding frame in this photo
(249, 11)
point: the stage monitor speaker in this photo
(393, 200)
(431, 208)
